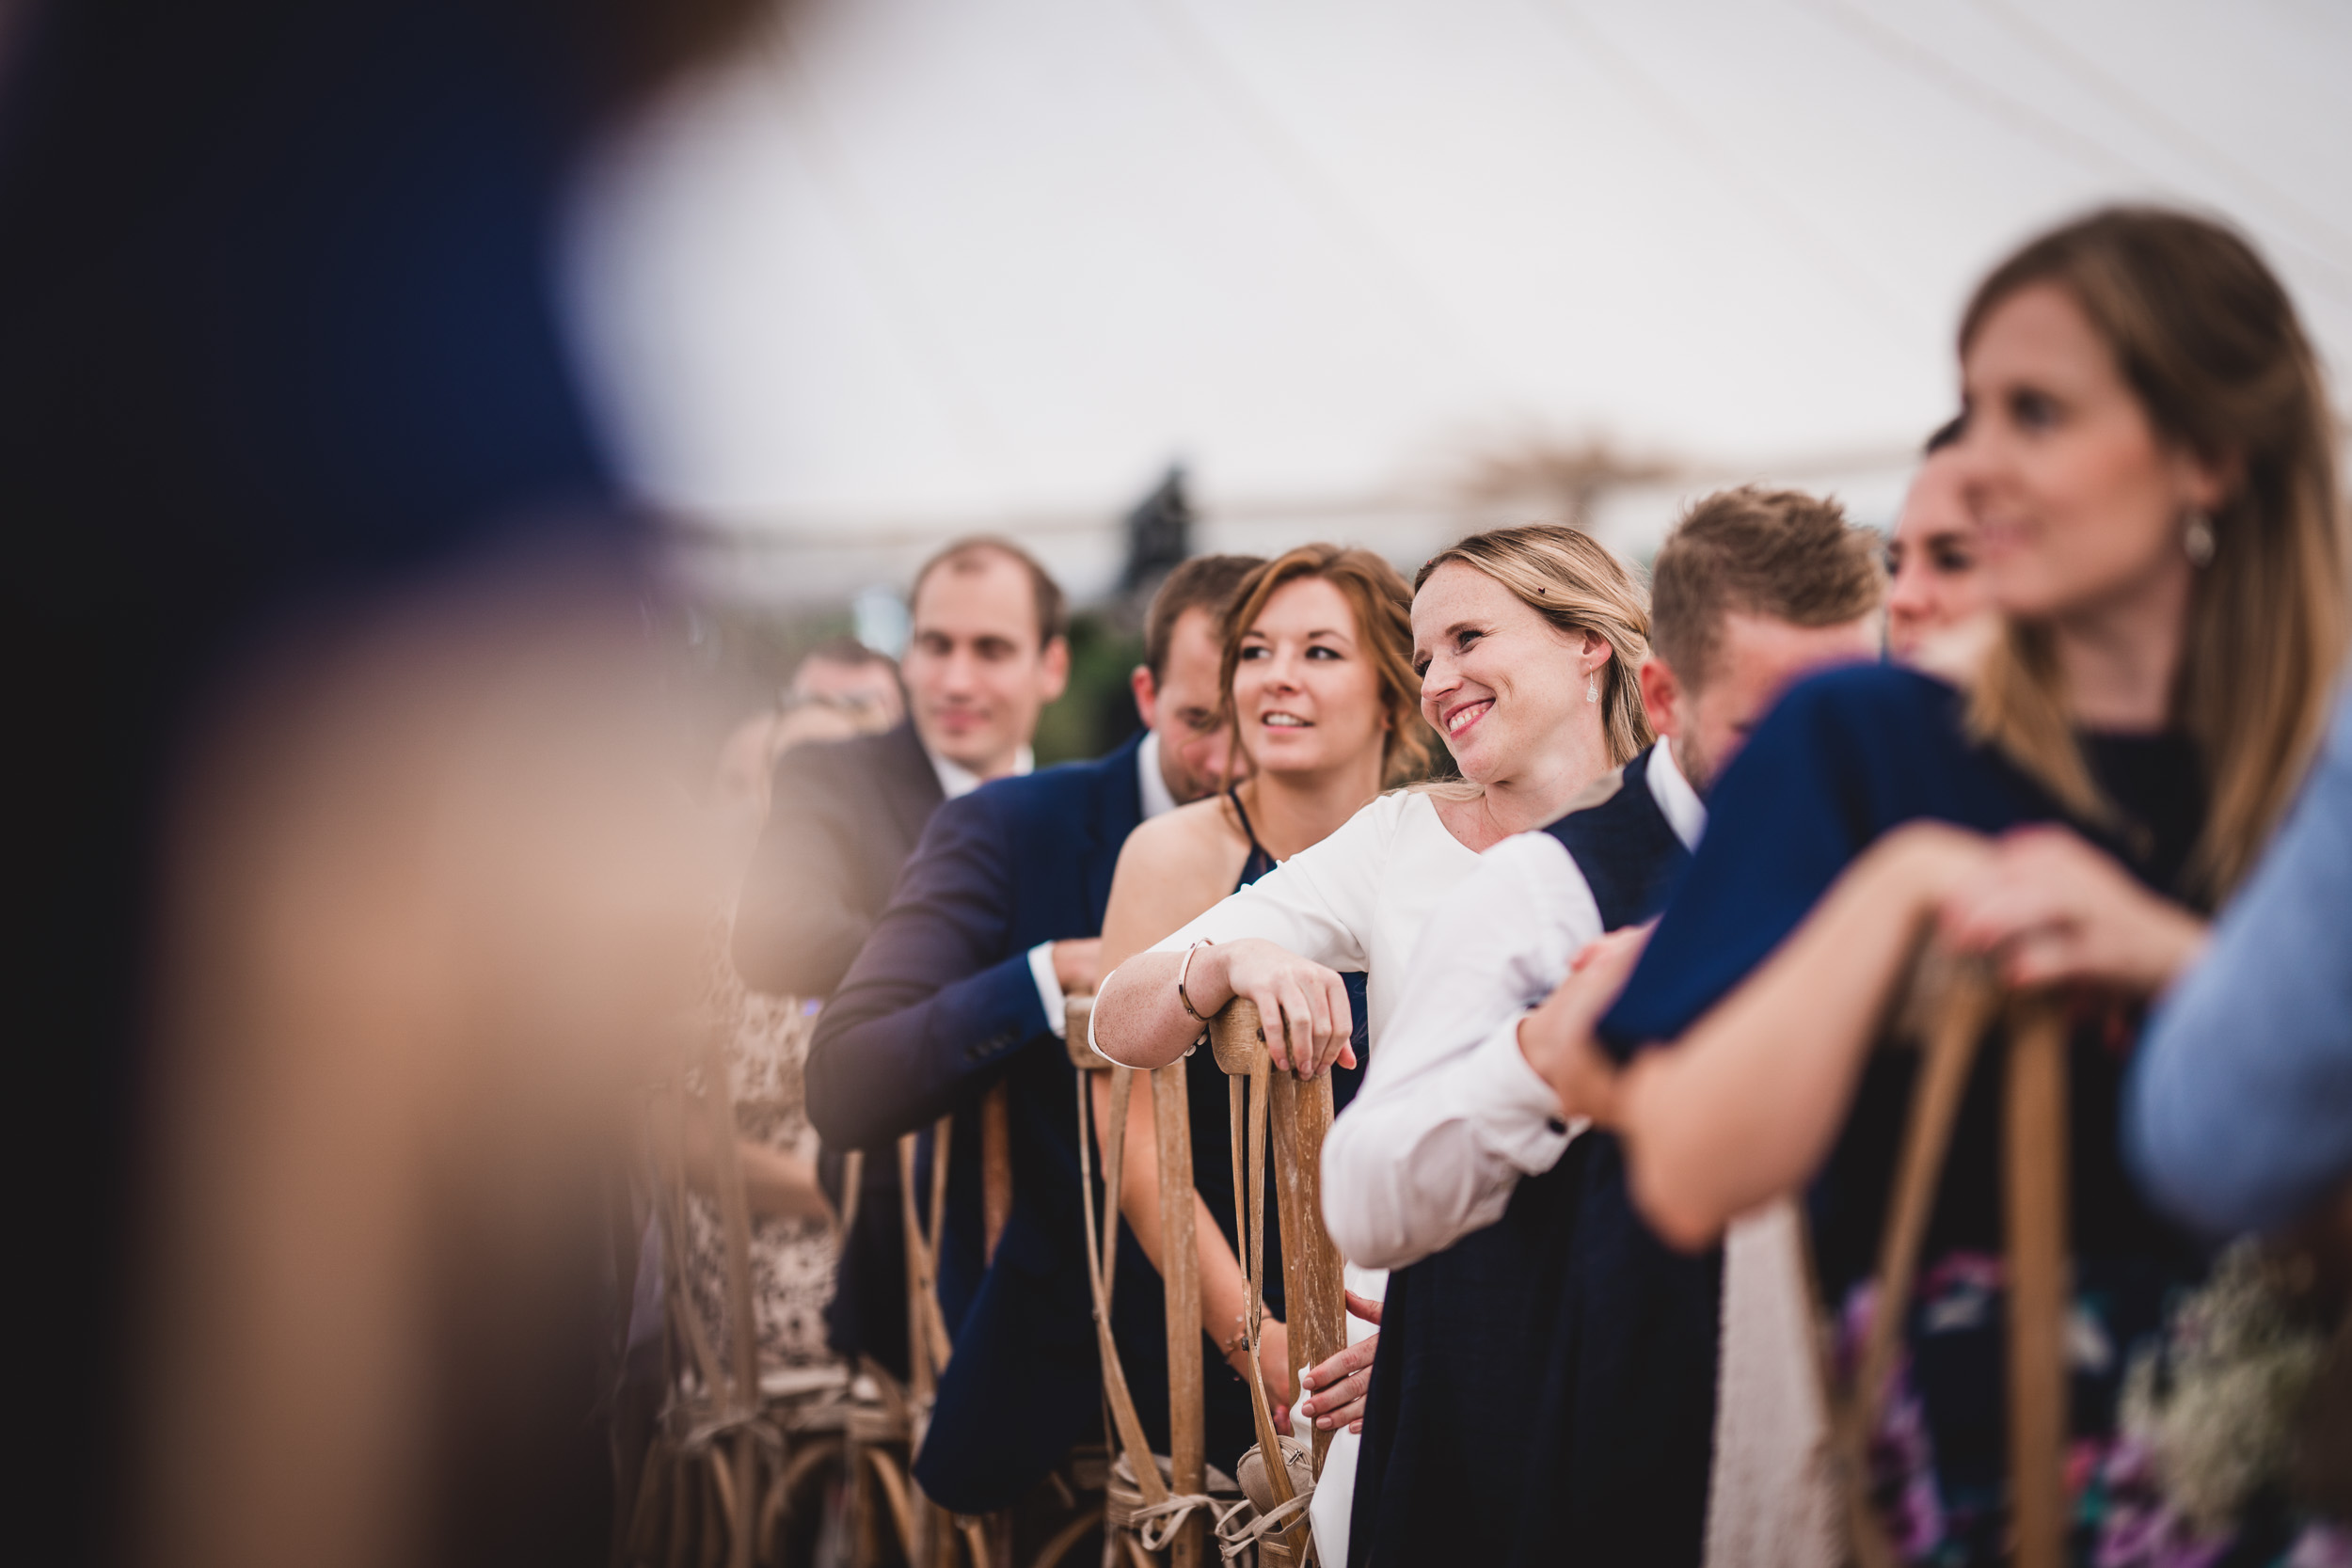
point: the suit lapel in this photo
(1118, 807)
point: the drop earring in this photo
(2197, 540)
(1591, 687)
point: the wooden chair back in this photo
(1951, 1006)
(1265, 1107)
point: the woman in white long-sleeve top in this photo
(1527, 642)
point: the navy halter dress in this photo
(1230, 1427)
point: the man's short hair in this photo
(971, 554)
(1205, 582)
(1777, 553)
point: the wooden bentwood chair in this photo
(1951, 1006)
(1166, 1508)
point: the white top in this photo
(1157, 797)
(1450, 1115)
(1358, 900)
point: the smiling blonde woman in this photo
(1527, 642)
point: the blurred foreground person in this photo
(962, 987)
(286, 418)
(1937, 616)
(988, 652)
(2241, 1099)
(1548, 1372)
(1317, 686)
(1527, 641)
(2150, 459)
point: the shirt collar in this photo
(957, 781)
(1157, 796)
(1685, 813)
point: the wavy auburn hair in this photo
(2208, 341)
(1376, 590)
(1575, 583)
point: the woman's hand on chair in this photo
(2050, 909)
(1302, 1006)
(1274, 1355)
(1336, 1388)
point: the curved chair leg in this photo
(1050, 1554)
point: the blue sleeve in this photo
(1841, 758)
(2239, 1110)
(938, 997)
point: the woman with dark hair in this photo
(2148, 460)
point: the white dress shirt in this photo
(956, 781)
(1450, 1115)
(1157, 797)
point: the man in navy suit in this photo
(960, 989)
(989, 651)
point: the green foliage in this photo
(1099, 710)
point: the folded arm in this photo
(1743, 1108)
(1274, 942)
(1450, 1114)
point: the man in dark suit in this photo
(987, 654)
(951, 997)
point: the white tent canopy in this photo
(905, 268)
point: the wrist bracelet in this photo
(1185, 969)
(1240, 1339)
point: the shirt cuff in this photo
(1049, 989)
(1519, 1116)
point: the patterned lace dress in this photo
(792, 1260)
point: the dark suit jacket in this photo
(939, 1007)
(845, 817)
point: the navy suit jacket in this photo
(940, 1006)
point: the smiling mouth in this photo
(1468, 714)
(1286, 721)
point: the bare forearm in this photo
(1139, 1019)
(775, 1184)
(1744, 1107)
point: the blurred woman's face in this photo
(2079, 508)
(1304, 688)
(1937, 584)
(1498, 682)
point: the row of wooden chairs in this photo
(751, 1467)
(744, 1462)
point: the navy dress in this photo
(1232, 1429)
(1845, 757)
(1547, 1384)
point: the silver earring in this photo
(1591, 687)
(2196, 539)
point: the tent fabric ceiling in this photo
(905, 266)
